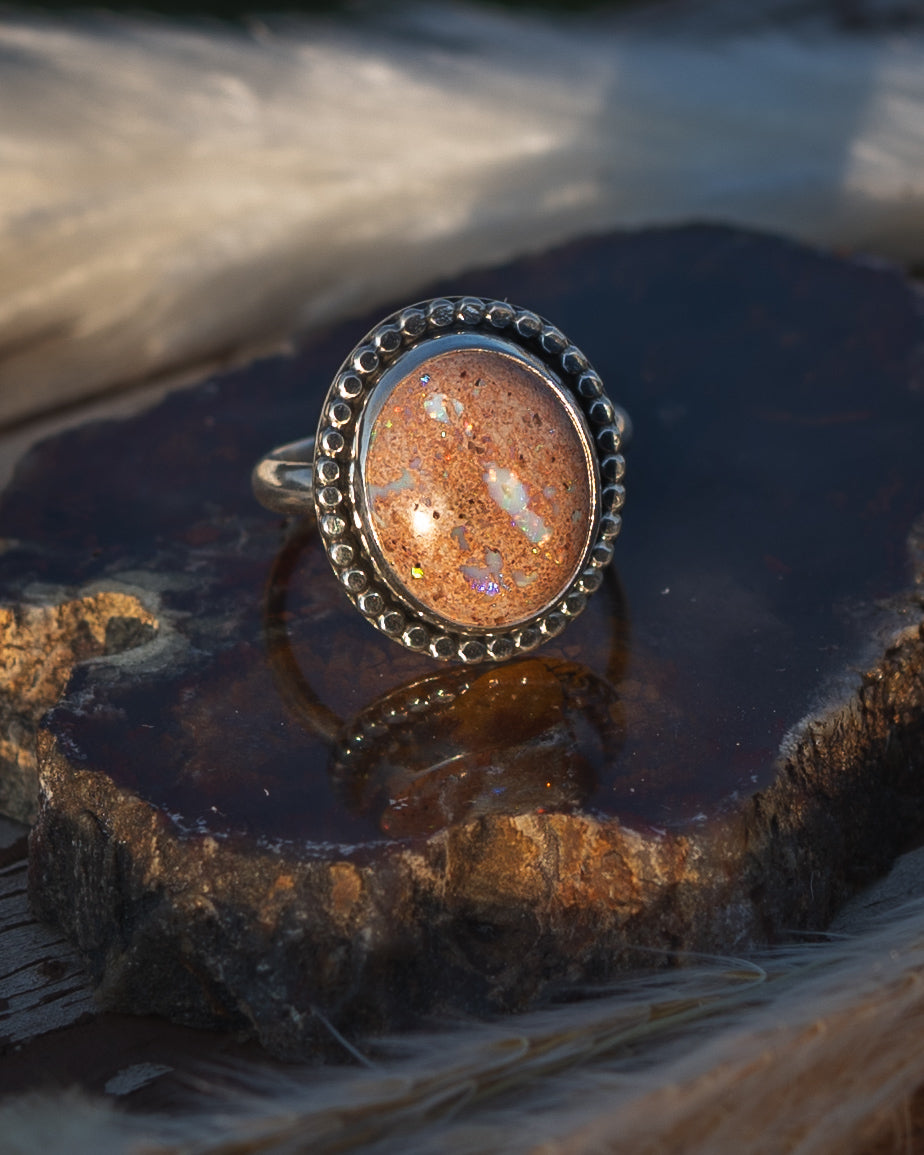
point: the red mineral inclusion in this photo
(480, 488)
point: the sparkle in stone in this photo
(513, 497)
(436, 404)
(489, 578)
(454, 473)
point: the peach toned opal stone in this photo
(479, 485)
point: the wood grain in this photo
(43, 985)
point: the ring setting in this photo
(466, 478)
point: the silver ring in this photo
(466, 478)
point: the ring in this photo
(466, 478)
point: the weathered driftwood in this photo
(44, 985)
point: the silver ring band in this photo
(283, 481)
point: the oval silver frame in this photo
(338, 483)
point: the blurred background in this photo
(185, 187)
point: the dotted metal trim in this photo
(337, 477)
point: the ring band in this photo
(283, 481)
(466, 478)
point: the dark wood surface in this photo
(762, 458)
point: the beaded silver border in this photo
(336, 480)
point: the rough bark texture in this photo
(483, 916)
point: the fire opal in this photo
(479, 486)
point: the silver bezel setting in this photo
(338, 479)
